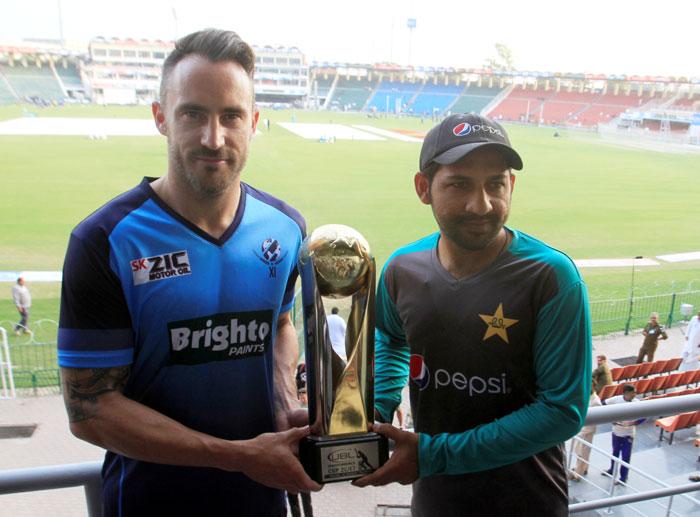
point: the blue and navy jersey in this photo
(195, 318)
(499, 368)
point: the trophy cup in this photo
(335, 262)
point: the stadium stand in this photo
(6, 95)
(393, 96)
(351, 93)
(323, 85)
(435, 98)
(33, 82)
(69, 75)
(475, 98)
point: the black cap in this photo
(459, 134)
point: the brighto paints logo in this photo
(465, 128)
(220, 337)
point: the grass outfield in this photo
(589, 200)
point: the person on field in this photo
(492, 328)
(691, 348)
(23, 301)
(190, 390)
(653, 332)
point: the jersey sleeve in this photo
(95, 328)
(562, 361)
(391, 355)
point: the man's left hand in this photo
(402, 467)
(298, 417)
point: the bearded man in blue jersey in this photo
(492, 326)
(176, 347)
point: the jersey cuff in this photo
(106, 359)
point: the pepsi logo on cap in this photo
(462, 129)
(419, 373)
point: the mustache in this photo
(211, 154)
(473, 218)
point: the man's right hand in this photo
(271, 459)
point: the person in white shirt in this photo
(691, 350)
(336, 329)
(23, 301)
(622, 433)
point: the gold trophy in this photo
(335, 262)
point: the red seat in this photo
(616, 373)
(629, 371)
(658, 366)
(642, 386)
(674, 380)
(608, 391)
(696, 377)
(671, 424)
(673, 364)
(687, 378)
(644, 369)
(657, 383)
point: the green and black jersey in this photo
(500, 374)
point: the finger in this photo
(387, 430)
(379, 477)
(298, 418)
(296, 433)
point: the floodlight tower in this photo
(411, 24)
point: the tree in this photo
(504, 59)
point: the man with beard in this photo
(493, 326)
(176, 346)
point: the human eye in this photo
(192, 114)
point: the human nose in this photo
(479, 203)
(213, 134)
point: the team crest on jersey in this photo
(497, 324)
(160, 267)
(271, 254)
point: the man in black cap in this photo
(493, 327)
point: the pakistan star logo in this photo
(497, 324)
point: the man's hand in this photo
(271, 460)
(292, 418)
(402, 467)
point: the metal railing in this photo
(8, 379)
(88, 474)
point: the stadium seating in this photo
(33, 82)
(435, 98)
(6, 95)
(69, 75)
(351, 93)
(474, 99)
(671, 424)
(391, 94)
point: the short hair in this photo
(334, 310)
(602, 356)
(654, 314)
(19, 279)
(214, 44)
(626, 388)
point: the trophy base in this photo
(327, 459)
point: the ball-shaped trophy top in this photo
(341, 259)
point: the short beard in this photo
(204, 191)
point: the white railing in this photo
(88, 474)
(8, 379)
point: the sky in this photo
(628, 37)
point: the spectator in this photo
(652, 333)
(601, 375)
(622, 434)
(336, 329)
(691, 350)
(582, 450)
(23, 301)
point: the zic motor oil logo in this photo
(160, 267)
(420, 375)
(271, 255)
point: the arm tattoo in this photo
(83, 386)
